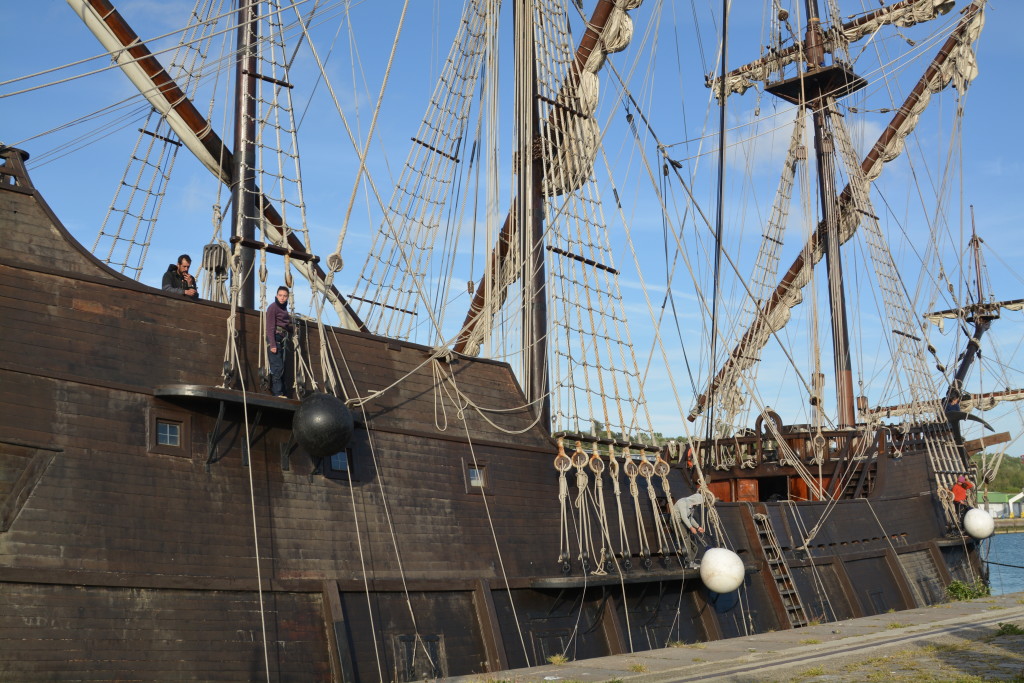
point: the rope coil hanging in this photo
(597, 466)
(580, 462)
(563, 463)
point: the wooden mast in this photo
(243, 204)
(874, 158)
(528, 216)
(982, 318)
(588, 43)
(820, 95)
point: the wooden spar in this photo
(595, 27)
(146, 73)
(968, 403)
(975, 309)
(793, 52)
(873, 157)
(977, 445)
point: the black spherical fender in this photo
(322, 425)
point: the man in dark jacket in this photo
(279, 331)
(177, 278)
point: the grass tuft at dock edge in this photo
(962, 590)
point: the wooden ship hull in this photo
(121, 558)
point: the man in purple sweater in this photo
(279, 331)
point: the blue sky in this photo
(79, 184)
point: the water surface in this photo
(1005, 549)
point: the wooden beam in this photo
(337, 641)
(610, 625)
(490, 628)
(977, 445)
(846, 586)
(902, 578)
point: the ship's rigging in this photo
(408, 288)
(552, 299)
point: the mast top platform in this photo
(835, 80)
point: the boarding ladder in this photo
(780, 571)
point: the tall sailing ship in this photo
(497, 486)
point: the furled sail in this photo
(578, 133)
(902, 14)
(579, 93)
(954, 64)
(939, 318)
(970, 402)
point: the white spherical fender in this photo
(979, 524)
(721, 570)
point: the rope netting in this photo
(393, 278)
(764, 278)
(595, 379)
(127, 229)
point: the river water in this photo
(1005, 549)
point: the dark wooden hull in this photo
(124, 560)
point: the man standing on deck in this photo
(279, 332)
(178, 279)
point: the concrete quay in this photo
(956, 641)
(1012, 525)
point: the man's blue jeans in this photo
(279, 366)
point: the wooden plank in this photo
(610, 625)
(200, 635)
(847, 587)
(712, 629)
(341, 653)
(899, 573)
(490, 628)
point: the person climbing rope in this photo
(683, 512)
(960, 489)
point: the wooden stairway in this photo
(780, 571)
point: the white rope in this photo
(613, 468)
(232, 343)
(646, 469)
(631, 469)
(816, 580)
(563, 463)
(373, 125)
(584, 540)
(393, 275)
(596, 465)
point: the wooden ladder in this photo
(780, 571)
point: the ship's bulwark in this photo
(122, 558)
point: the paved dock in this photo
(967, 642)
